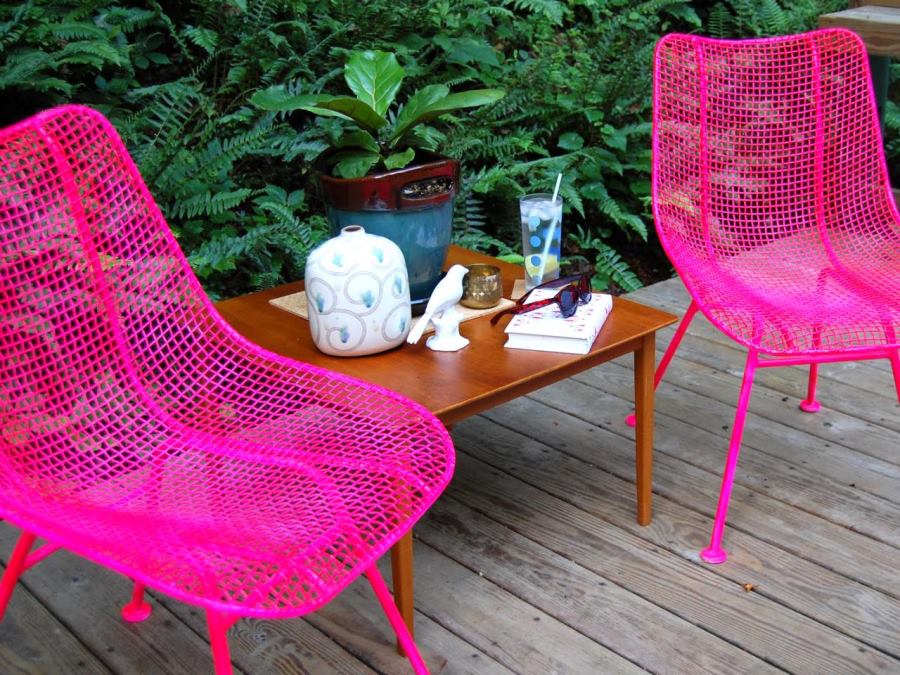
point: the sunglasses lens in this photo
(584, 290)
(568, 302)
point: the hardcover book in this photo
(546, 330)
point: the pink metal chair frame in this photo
(139, 430)
(771, 198)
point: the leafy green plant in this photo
(177, 81)
(174, 79)
(378, 140)
(758, 18)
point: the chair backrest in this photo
(765, 141)
(98, 306)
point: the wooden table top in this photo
(453, 385)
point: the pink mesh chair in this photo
(771, 198)
(137, 429)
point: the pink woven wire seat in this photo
(771, 198)
(140, 431)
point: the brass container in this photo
(482, 287)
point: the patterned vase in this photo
(357, 292)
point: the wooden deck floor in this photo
(532, 562)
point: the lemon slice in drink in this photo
(533, 265)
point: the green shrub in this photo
(176, 78)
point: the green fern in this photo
(550, 9)
(70, 30)
(205, 38)
(175, 79)
(157, 131)
(611, 266)
(891, 116)
(209, 204)
(719, 21)
(773, 17)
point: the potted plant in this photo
(382, 172)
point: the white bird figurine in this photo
(442, 313)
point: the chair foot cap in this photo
(631, 420)
(135, 613)
(714, 556)
(810, 406)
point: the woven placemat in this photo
(295, 303)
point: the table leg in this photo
(402, 577)
(644, 365)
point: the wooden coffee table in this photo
(460, 384)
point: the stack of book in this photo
(546, 330)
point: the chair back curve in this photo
(98, 302)
(131, 412)
(770, 188)
(97, 294)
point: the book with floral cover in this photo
(546, 330)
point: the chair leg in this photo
(138, 609)
(14, 569)
(810, 404)
(895, 366)
(218, 623)
(714, 553)
(393, 615)
(631, 420)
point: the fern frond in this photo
(550, 9)
(128, 19)
(610, 264)
(205, 38)
(70, 30)
(719, 22)
(12, 31)
(260, 14)
(156, 131)
(30, 66)
(892, 116)
(207, 204)
(773, 17)
(629, 221)
(90, 52)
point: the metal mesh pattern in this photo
(141, 431)
(770, 190)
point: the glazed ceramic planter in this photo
(357, 293)
(391, 205)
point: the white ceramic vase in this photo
(357, 292)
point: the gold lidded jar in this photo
(482, 286)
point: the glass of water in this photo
(541, 237)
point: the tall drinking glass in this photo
(541, 237)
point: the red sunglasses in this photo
(576, 290)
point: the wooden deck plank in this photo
(699, 486)
(759, 625)
(672, 296)
(286, 646)
(864, 379)
(504, 626)
(598, 607)
(683, 526)
(773, 427)
(854, 412)
(33, 641)
(780, 460)
(355, 620)
(88, 599)
(350, 635)
(539, 523)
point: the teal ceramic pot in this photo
(357, 294)
(412, 207)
